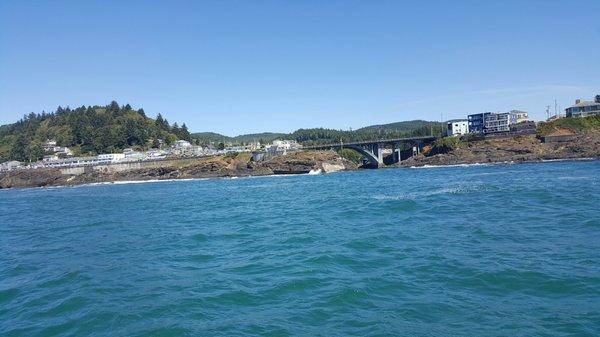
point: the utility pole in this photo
(548, 111)
(555, 109)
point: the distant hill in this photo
(212, 137)
(86, 130)
(324, 136)
(405, 126)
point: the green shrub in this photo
(351, 155)
(445, 145)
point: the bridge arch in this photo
(371, 156)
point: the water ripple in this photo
(479, 250)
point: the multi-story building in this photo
(477, 122)
(50, 146)
(457, 128)
(499, 122)
(584, 108)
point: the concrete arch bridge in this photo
(374, 151)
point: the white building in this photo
(131, 155)
(10, 165)
(499, 122)
(50, 147)
(156, 154)
(180, 144)
(111, 157)
(74, 162)
(522, 116)
(457, 128)
(279, 147)
(51, 157)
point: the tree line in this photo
(87, 130)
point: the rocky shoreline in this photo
(513, 150)
(206, 167)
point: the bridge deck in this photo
(370, 142)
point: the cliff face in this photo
(207, 167)
(519, 149)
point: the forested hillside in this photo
(111, 128)
(324, 136)
(86, 130)
(212, 137)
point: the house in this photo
(584, 108)
(51, 157)
(156, 154)
(457, 128)
(10, 165)
(131, 155)
(522, 116)
(281, 147)
(49, 145)
(180, 144)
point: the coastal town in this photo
(488, 124)
(59, 156)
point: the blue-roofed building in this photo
(477, 122)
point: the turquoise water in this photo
(463, 251)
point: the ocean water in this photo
(498, 250)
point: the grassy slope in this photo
(575, 125)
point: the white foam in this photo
(127, 182)
(458, 165)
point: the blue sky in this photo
(249, 66)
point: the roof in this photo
(585, 103)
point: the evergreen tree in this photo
(35, 151)
(113, 106)
(184, 133)
(18, 149)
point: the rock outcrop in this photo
(518, 149)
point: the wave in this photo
(506, 163)
(127, 182)
(459, 165)
(424, 194)
(568, 159)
